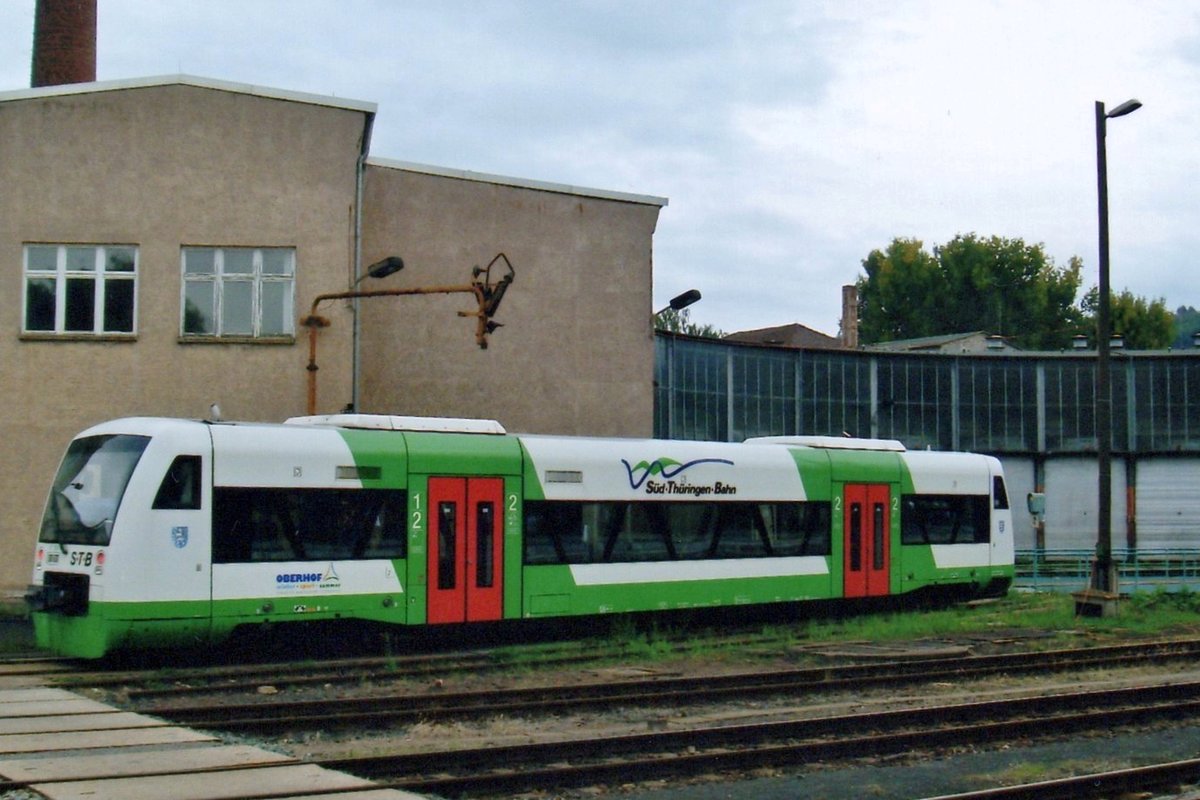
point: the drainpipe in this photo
(359, 180)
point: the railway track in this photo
(1132, 782)
(678, 754)
(138, 685)
(656, 755)
(375, 709)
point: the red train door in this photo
(866, 559)
(466, 540)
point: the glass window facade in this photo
(1035, 403)
(915, 401)
(835, 394)
(764, 394)
(1166, 394)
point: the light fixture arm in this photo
(487, 293)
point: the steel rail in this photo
(744, 747)
(265, 717)
(788, 743)
(350, 670)
(1093, 785)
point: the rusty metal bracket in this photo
(487, 293)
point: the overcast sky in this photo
(791, 138)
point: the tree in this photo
(899, 297)
(1142, 324)
(1002, 286)
(1187, 323)
(681, 322)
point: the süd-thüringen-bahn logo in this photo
(674, 482)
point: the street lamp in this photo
(382, 268)
(1103, 573)
(680, 301)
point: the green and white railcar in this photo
(162, 532)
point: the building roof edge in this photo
(520, 183)
(189, 80)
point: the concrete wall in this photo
(576, 353)
(160, 166)
(165, 163)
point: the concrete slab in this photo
(106, 721)
(35, 694)
(280, 781)
(369, 794)
(122, 763)
(94, 740)
(34, 668)
(47, 708)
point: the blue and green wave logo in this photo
(666, 467)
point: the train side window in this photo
(800, 529)
(877, 537)
(999, 493)
(555, 533)
(180, 487)
(485, 532)
(269, 524)
(385, 534)
(855, 537)
(447, 562)
(944, 519)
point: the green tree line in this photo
(1001, 286)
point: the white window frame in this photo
(63, 273)
(220, 279)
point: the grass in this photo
(1048, 617)
(1041, 612)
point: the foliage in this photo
(681, 322)
(1182, 600)
(999, 285)
(1187, 322)
(1144, 325)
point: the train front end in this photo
(94, 563)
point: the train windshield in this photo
(88, 488)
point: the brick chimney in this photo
(64, 42)
(849, 327)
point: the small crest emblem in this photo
(179, 535)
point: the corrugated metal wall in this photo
(1168, 503)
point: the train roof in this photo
(832, 443)
(395, 422)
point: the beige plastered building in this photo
(164, 238)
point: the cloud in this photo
(792, 138)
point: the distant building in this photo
(973, 342)
(1033, 410)
(793, 335)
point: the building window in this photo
(80, 289)
(238, 292)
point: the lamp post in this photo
(1103, 574)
